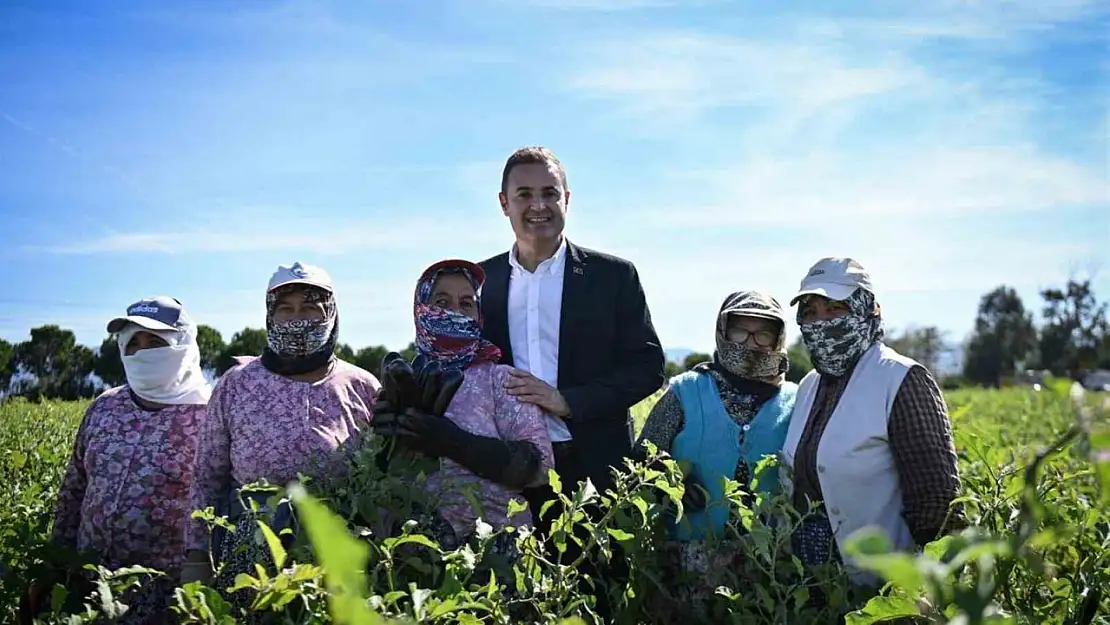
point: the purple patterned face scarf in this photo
(836, 344)
(300, 345)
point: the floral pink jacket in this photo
(261, 425)
(125, 494)
(481, 406)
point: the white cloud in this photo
(828, 187)
(686, 74)
(253, 230)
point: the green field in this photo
(1038, 552)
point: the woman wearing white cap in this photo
(296, 409)
(870, 437)
(125, 496)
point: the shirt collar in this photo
(551, 266)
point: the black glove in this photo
(437, 388)
(384, 421)
(694, 499)
(384, 424)
(427, 433)
(398, 380)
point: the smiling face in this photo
(535, 200)
(453, 291)
(143, 340)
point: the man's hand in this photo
(532, 390)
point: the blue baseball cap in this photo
(154, 313)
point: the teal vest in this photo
(710, 442)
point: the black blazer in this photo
(610, 357)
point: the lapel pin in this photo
(578, 270)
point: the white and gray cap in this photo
(300, 273)
(834, 278)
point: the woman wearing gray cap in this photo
(871, 437)
(125, 496)
(721, 418)
(296, 409)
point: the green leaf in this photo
(516, 506)
(1100, 457)
(871, 550)
(274, 543)
(883, 609)
(587, 493)
(620, 535)
(342, 557)
(554, 481)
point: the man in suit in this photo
(576, 324)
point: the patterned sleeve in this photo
(71, 495)
(524, 427)
(925, 456)
(662, 425)
(212, 468)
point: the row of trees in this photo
(1074, 337)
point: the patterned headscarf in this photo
(300, 345)
(448, 337)
(737, 358)
(836, 344)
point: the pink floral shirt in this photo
(261, 425)
(125, 494)
(481, 406)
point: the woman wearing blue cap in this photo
(870, 437)
(125, 497)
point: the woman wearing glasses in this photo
(723, 416)
(720, 419)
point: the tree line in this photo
(1073, 337)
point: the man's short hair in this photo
(530, 155)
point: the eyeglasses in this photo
(763, 338)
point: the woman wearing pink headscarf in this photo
(489, 443)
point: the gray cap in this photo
(753, 304)
(154, 313)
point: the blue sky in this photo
(188, 148)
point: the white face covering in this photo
(165, 375)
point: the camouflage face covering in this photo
(836, 344)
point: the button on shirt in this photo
(534, 309)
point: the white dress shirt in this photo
(534, 309)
